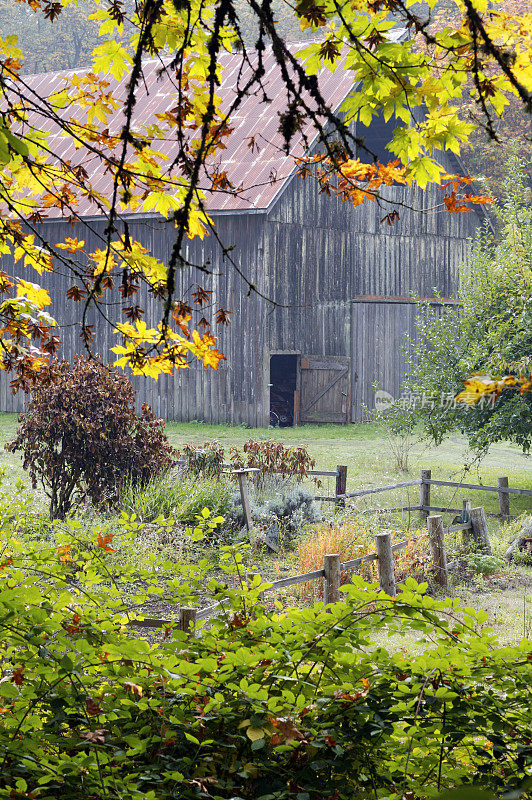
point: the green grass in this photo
(180, 498)
(365, 450)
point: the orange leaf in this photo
(18, 676)
(63, 552)
(103, 542)
(92, 707)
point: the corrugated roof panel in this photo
(250, 168)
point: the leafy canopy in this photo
(420, 78)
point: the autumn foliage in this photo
(82, 439)
(56, 149)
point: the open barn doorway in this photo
(283, 390)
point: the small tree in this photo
(81, 437)
(491, 333)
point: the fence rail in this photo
(341, 494)
(480, 487)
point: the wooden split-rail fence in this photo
(425, 482)
(474, 530)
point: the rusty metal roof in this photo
(260, 172)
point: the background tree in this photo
(489, 150)
(51, 44)
(490, 333)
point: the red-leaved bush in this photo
(82, 439)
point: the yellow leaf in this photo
(34, 293)
(255, 733)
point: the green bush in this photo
(304, 704)
(82, 439)
(204, 460)
(484, 564)
(290, 505)
(175, 496)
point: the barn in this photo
(334, 282)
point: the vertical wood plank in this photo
(331, 565)
(479, 527)
(504, 499)
(424, 491)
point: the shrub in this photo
(82, 439)
(484, 564)
(291, 507)
(205, 460)
(273, 458)
(399, 423)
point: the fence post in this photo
(504, 499)
(242, 475)
(479, 528)
(383, 545)
(244, 496)
(467, 536)
(437, 546)
(424, 491)
(188, 620)
(341, 483)
(331, 565)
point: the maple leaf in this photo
(181, 321)
(390, 218)
(252, 144)
(71, 245)
(64, 552)
(201, 296)
(103, 542)
(52, 10)
(222, 317)
(374, 40)
(311, 13)
(76, 294)
(34, 293)
(329, 50)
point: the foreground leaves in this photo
(55, 150)
(307, 702)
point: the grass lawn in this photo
(365, 449)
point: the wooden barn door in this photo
(324, 388)
(380, 349)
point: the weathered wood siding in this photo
(232, 394)
(324, 253)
